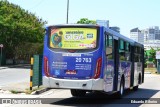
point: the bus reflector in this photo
(46, 67)
(98, 68)
(71, 51)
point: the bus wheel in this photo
(121, 91)
(135, 88)
(78, 93)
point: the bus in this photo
(86, 58)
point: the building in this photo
(155, 44)
(115, 28)
(137, 35)
(106, 24)
(152, 33)
(103, 23)
(151, 37)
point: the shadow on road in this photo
(100, 99)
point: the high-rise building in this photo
(103, 23)
(145, 32)
(151, 33)
(137, 35)
(151, 37)
(157, 33)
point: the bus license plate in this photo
(71, 72)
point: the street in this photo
(61, 97)
(150, 89)
(100, 51)
(12, 76)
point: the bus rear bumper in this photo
(89, 84)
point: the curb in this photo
(147, 72)
(40, 91)
(3, 68)
(15, 66)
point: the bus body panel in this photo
(77, 70)
(71, 65)
(109, 76)
(125, 66)
(69, 69)
(88, 84)
(137, 73)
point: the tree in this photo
(153, 55)
(145, 59)
(86, 21)
(17, 27)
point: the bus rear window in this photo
(73, 38)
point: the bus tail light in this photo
(98, 68)
(46, 67)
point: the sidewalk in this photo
(3, 68)
(19, 86)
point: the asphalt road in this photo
(59, 97)
(13, 75)
(149, 89)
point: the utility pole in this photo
(1, 46)
(67, 10)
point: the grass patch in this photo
(27, 91)
(152, 70)
(16, 92)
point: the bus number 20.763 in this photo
(88, 60)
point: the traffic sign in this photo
(1, 45)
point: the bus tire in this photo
(121, 91)
(135, 88)
(78, 93)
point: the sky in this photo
(126, 14)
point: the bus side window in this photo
(121, 50)
(127, 51)
(138, 54)
(109, 45)
(136, 58)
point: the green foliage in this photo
(28, 91)
(145, 59)
(86, 21)
(152, 52)
(23, 52)
(17, 27)
(16, 92)
(153, 55)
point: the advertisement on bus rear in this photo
(73, 38)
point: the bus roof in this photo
(85, 25)
(107, 29)
(123, 37)
(119, 35)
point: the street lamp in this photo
(67, 10)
